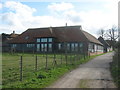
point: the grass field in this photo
(40, 78)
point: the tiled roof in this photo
(62, 34)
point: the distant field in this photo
(11, 65)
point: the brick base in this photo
(95, 53)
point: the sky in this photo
(92, 15)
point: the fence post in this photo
(55, 62)
(71, 58)
(61, 58)
(89, 54)
(66, 58)
(46, 61)
(36, 63)
(74, 58)
(79, 56)
(20, 68)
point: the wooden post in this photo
(89, 54)
(55, 63)
(66, 58)
(46, 61)
(71, 58)
(61, 58)
(74, 57)
(20, 68)
(36, 63)
(79, 56)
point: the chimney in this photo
(66, 24)
(13, 32)
(50, 28)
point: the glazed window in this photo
(72, 47)
(43, 39)
(68, 46)
(30, 45)
(14, 45)
(38, 39)
(49, 39)
(59, 46)
(50, 47)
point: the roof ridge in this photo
(54, 27)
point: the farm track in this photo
(93, 74)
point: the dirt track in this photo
(93, 74)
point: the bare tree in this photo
(112, 34)
(101, 32)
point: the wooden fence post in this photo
(61, 58)
(79, 56)
(36, 63)
(55, 62)
(71, 58)
(66, 58)
(20, 68)
(74, 58)
(46, 66)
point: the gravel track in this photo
(93, 74)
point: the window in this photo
(68, 46)
(59, 46)
(49, 47)
(14, 45)
(95, 47)
(76, 46)
(38, 39)
(45, 47)
(49, 39)
(43, 39)
(42, 47)
(91, 47)
(72, 47)
(30, 45)
(38, 47)
(100, 47)
(81, 45)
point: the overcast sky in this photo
(19, 15)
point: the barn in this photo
(57, 39)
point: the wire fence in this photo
(21, 66)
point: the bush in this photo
(115, 65)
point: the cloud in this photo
(64, 11)
(60, 6)
(0, 5)
(91, 20)
(21, 17)
(17, 15)
(20, 9)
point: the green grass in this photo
(40, 78)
